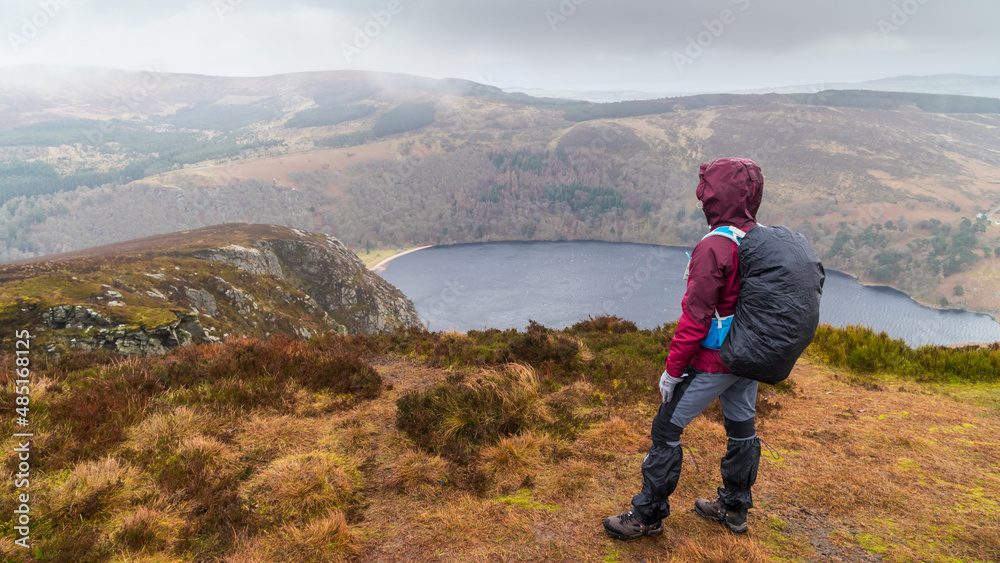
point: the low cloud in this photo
(595, 44)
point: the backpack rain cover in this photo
(778, 307)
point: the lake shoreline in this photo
(380, 267)
(443, 294)
(995, 315)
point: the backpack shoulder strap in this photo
(731, 233)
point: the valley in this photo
(892, 188)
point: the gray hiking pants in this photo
(661, 469)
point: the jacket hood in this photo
(730, 190)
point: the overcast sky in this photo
(651, 45)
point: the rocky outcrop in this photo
(331, 275)
(252, 260)
(203, 301)
(151, 295)
(339, 281)
(82, 328)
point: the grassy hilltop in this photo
(495, 445)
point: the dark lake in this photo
(503, 285)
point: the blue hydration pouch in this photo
(719, 327)
(717, 332)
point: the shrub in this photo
(456, 420)
(545, 349)
(608, 324)
(93, 407)
(864, 352)
(243, 374)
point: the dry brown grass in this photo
(898, 472)
(844, 475)
(616, 435)
(421, 473)
(264, 437)
(724, 549)
(514, 459)
(93, 487)
(146, 530)
(164, 431)
(325, 539)
(296, 487)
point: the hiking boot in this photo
(628, 526)
(735, 521)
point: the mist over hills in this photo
(34, 93)
(896, 188)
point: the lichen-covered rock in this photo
(332, 277)
(203, 301)
(101, 333)
(252, 260)
(338, 280)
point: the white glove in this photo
(667, 384)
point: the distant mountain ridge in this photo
(32, 93)
(952, 84)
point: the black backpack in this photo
(781, 283)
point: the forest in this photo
(616, 109)
(407, 116)
(206, 116)
(138, 150)
(329, 115)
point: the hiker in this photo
(730, 192)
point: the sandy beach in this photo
(377, 268)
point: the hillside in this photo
(492, 446)
(150, 295)
(896, 188)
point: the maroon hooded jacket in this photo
(730, 190)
